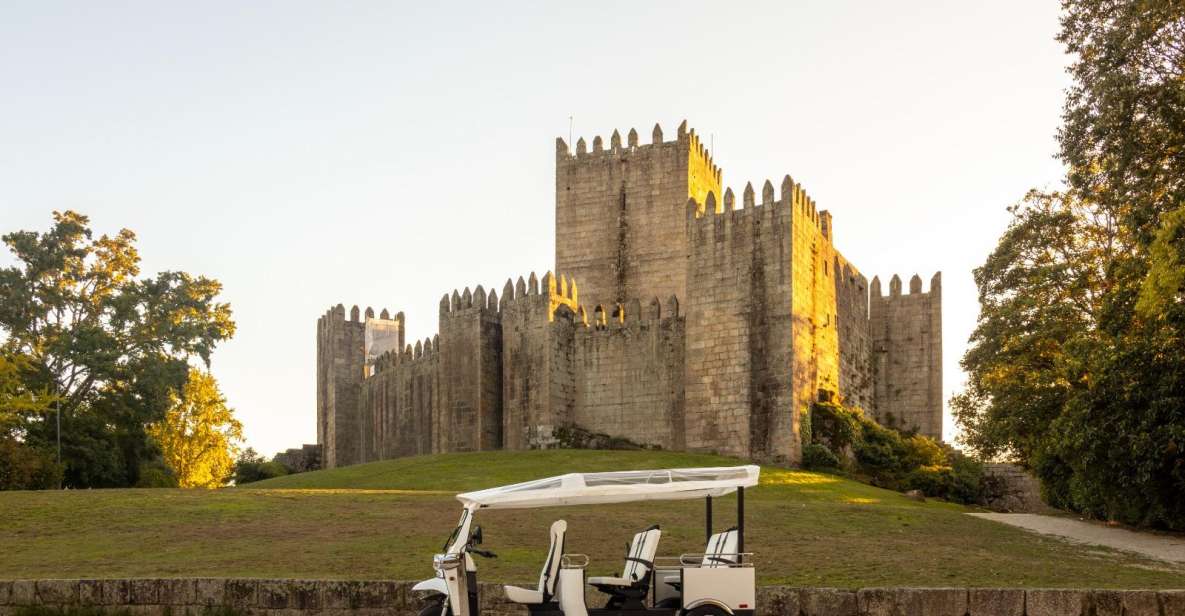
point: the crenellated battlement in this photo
(464, 300)
(632, 146)
(357, 315)
(847, 276)
(703, 155)
(915, 286)
(793, 197)
(633, 312)
(423, 350)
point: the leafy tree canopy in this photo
(199, 435)
(1075, 367)
(107, 345)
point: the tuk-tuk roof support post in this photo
(740, 523)
(708, 520)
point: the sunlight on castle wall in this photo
(703, 176)
(563, 293)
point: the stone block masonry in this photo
(280, 597)
(701, 322)
(906, 332)
(618, 213)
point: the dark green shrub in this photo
(252, 467)
(931, 480)
(889, 458)
(23, 467)
(819, 457)
(156, 474)
(834, 425)
(967, 480)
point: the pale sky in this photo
(382, 154)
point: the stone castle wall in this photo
(906, 335)
(852, 327)
(739, 354)
(401, 404)
(763, 316)
(506, 373)
(628, 374)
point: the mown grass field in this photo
(386, 519)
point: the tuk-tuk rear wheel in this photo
(706, 610)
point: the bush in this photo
(252, 467)
(834, 425)
(888, 458)
(26, 468)
(156, 474)
(819, 457)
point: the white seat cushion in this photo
(609, 581)
(523, 595)
(721, 550)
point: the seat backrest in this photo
(640, 559)
(721, 550)
(551, 566)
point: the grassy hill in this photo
(386, 519)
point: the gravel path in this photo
(1170, 548)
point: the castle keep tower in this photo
(619, 227)
(702, 322)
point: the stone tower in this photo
(619, 220)
(907, 355)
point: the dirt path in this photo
(1168, 548)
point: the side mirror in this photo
(475, 538)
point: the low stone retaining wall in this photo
(1008, 488)
(179, 597)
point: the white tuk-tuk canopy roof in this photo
(614, 487)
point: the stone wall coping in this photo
(295, 597)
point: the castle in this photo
(679, 316)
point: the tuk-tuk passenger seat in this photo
(721, 552)
(627, 591)
(545, 593)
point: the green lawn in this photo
(386, 519)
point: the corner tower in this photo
(906, 334)
(620, 213)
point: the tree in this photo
(108, 345)
(17, 400)
(199, 435)
(1075, 368)
(1039, 295)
